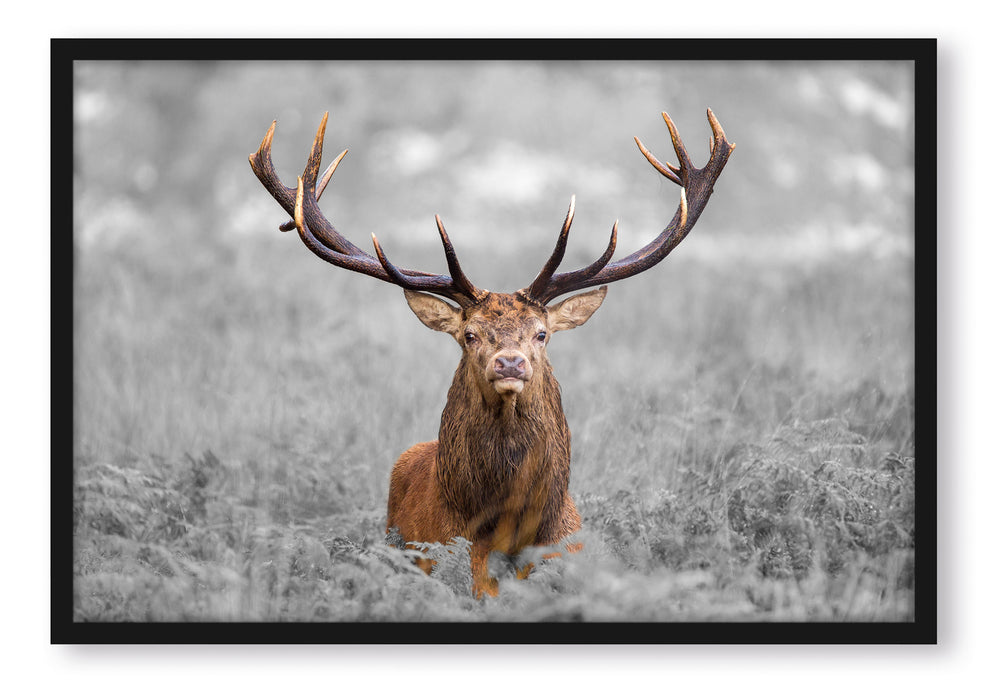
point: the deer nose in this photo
(510, 366)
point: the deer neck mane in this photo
(485, 444)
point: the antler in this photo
(696, 188)
(319, 235)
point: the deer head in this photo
(504, 335)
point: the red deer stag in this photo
(498, 474)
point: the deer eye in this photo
(470, 338)
(541, 336)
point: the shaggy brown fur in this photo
(498, 473)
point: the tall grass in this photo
(743, 445)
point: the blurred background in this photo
(199, 326)
(742, 414)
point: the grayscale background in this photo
(742, 414)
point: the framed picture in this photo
(748, 450)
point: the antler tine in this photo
(679, 149)
(663, 169)
(393, 272)
(457, 276)
(319, 235)
(540, 283)
(316, 152)
(324, 181)
(594, 267)
(577, 277)
(696, 185)
(437, 284)
(318, 223)
(261, 164)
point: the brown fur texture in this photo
(499, 472)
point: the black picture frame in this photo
(922, 52)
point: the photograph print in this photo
(482, 373)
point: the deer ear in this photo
(575, 310)
(433, 312)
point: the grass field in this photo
(743, 422)
(750, 458)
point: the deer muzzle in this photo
(509, 372)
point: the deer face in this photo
(504, 336)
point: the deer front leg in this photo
(484, 583)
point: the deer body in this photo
(498, 473)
